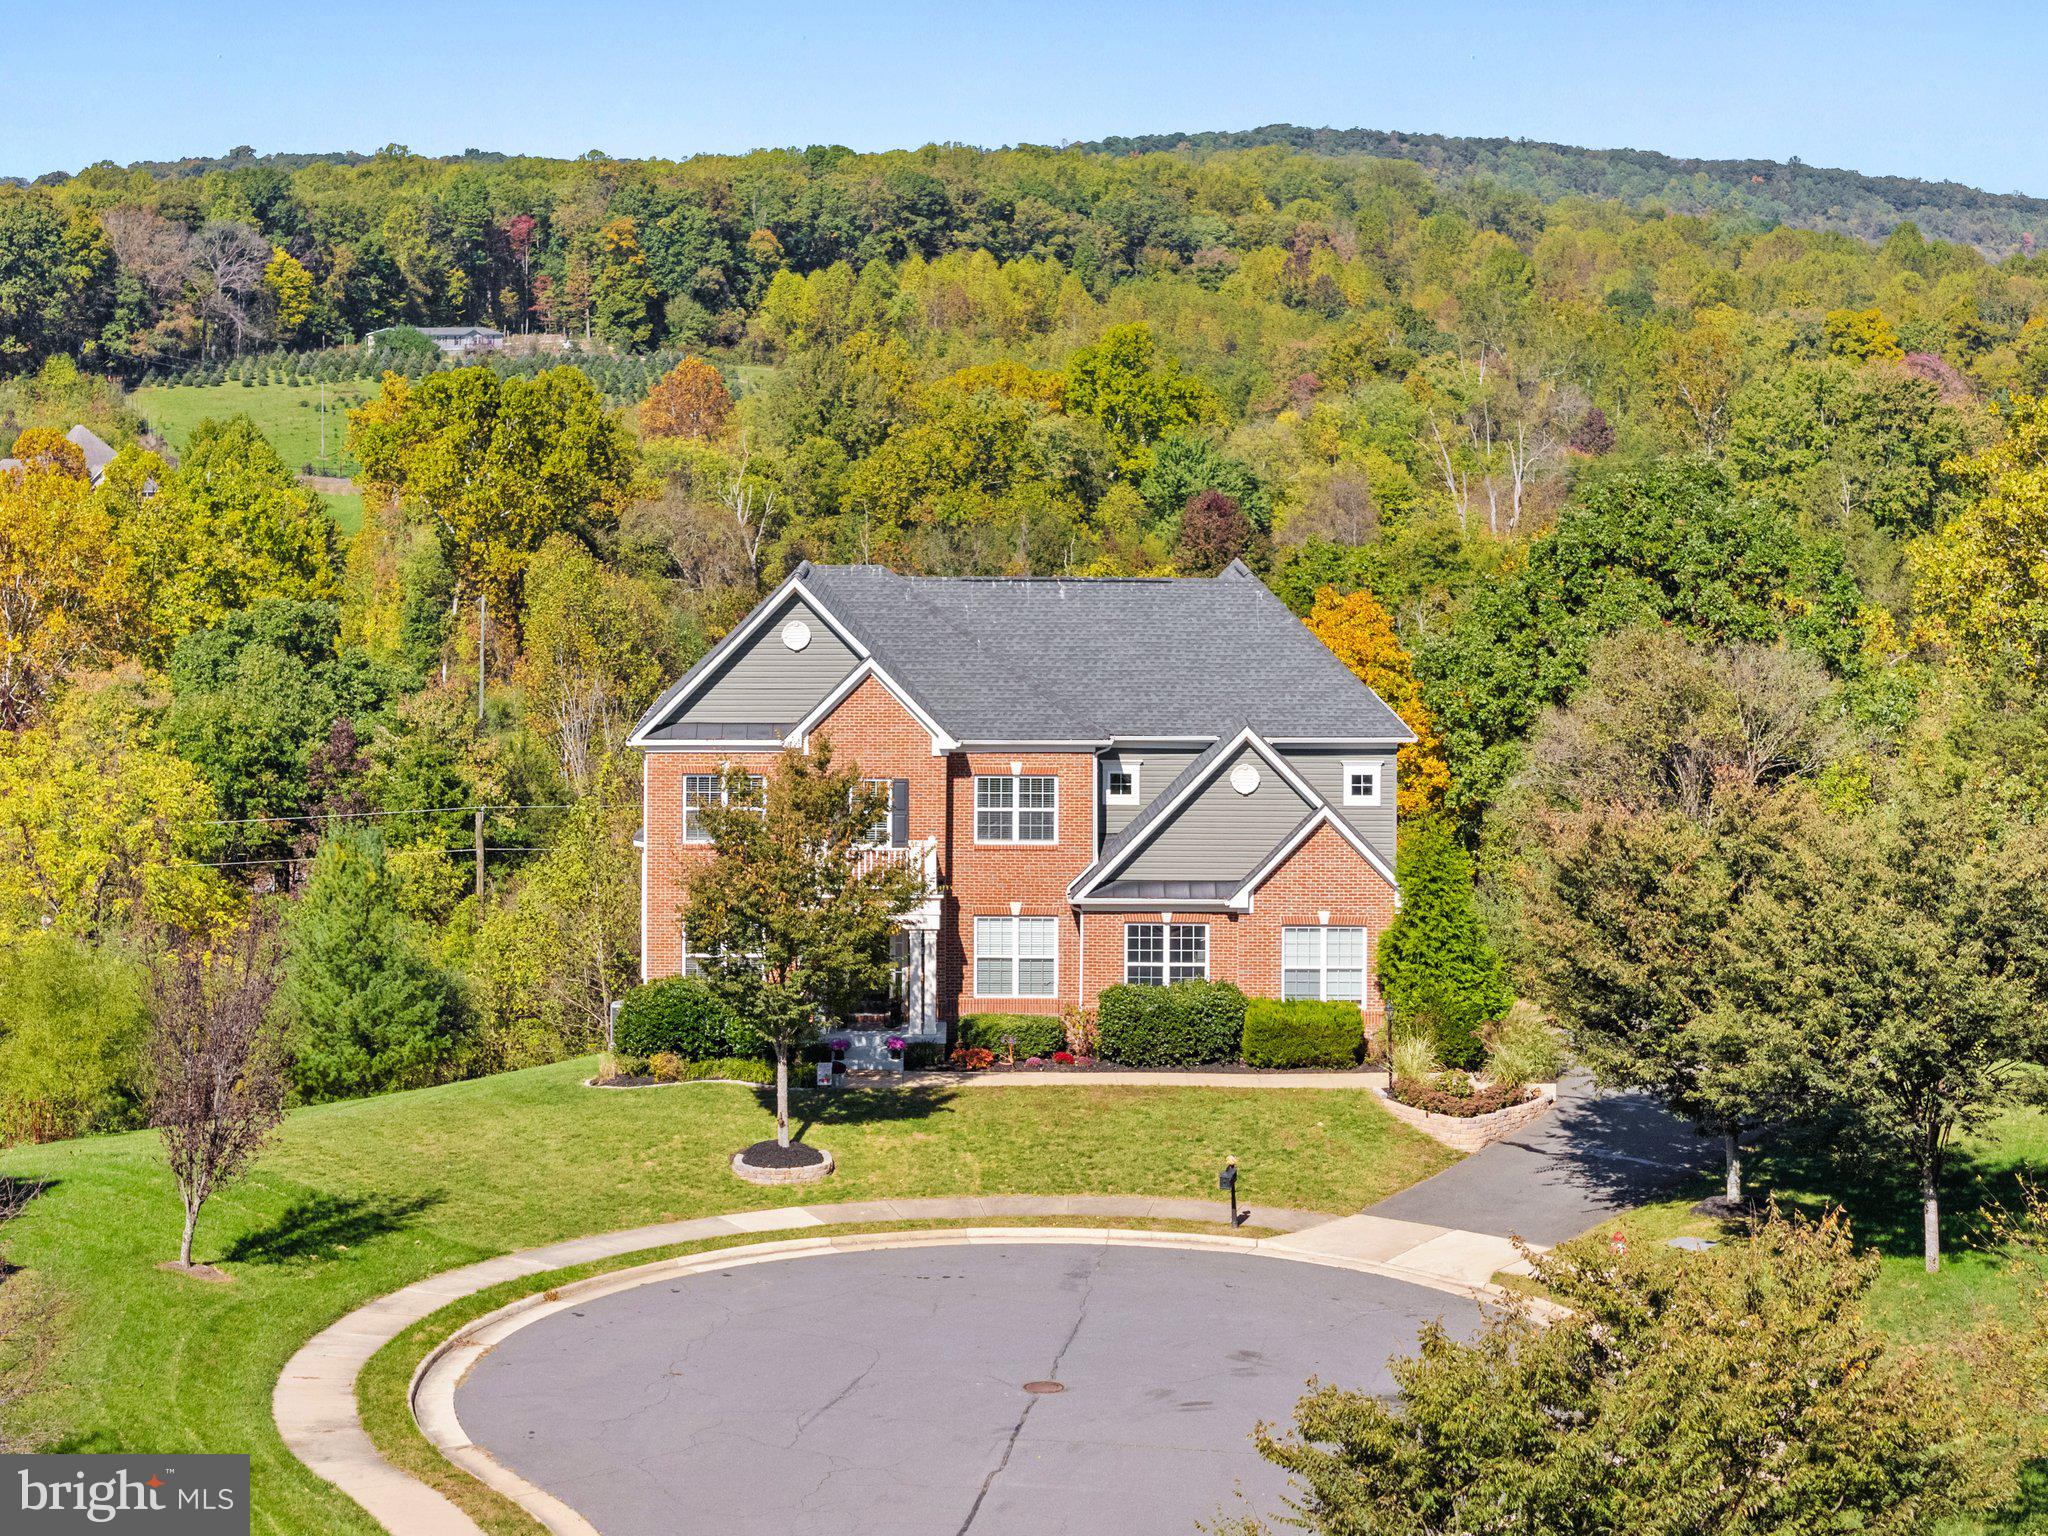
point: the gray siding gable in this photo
(1157, 768)
(1221, 834)
(765, 681)
(1323, 769)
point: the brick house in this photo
(1102, 781)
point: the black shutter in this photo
(899, 813)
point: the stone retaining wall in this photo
(1470, 1134)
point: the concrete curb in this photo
(435, 1382)
(314, 1402)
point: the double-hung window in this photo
(882, 833)
(1016, 956)
(702, 789)
(1020, 808)
(1158, 954)
(1325, 964)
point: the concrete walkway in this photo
(1053, 1077)
(315, 1405)
(1595, 1156)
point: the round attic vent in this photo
(796, 634)
(1244, 778)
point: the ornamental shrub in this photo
(1435, 963)
(680, 1016)
(1188, 1024)
(1302, 1033)
(1037, 1034)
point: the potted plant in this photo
(839, 1045)
(896, 1046)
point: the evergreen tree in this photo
(369, 1009)
(1436, 967)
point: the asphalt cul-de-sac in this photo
(885, 1391)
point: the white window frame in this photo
(1013, 925)
(1167, 932)
(690, 954)
(758, 780)
(1116, 765)
(1322, 967)
(1016, 808)
(1364, 765)
(888, 821)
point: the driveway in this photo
(1593, 1157)
(884, 1391)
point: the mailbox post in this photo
(1227, 1181)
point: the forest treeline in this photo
(1607, 499)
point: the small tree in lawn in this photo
(1435, 963)
(1661, 944)
(791, 919)
(216, 1067)
(1928, 967)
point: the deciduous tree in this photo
(690, 400)
(791, 918)
(1360, 633)
(216, 1064)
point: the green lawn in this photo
(287, 414)
(354, 1200)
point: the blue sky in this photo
(1925, 90)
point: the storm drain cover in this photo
(1043, 1387)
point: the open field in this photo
(287, 414)
(356, 1199)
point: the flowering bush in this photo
(1063, 1058)
(973, 1058)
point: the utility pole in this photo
(479, 860)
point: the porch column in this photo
(925, 969)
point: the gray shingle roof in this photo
(1062, 659)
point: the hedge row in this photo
(1301, 1034)
(681, 1017)
(1036, 1034)
(1188, 1024)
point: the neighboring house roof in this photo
(97, 454)
(1063, 659)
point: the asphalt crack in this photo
(1031, 1400)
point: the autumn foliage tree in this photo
(64, 597)
(1360, 633)
(690, 400)
(1213, 532)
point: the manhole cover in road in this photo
(1043, 1387)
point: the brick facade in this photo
(872, 728)
(1324, 875)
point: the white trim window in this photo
(1323, 964)
(1016, 808)
(1119, 781)
(880, 834)
(1362, 783)
(702, 789)
(1159, 954)
(1016, 957)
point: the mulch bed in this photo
(1080, 1069)
(768, 1154)
(1462, 1106)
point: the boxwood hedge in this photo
(1187, 1024)
(1301, 1033)
(683, 1017)
(1037, 1034)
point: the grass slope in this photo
(287, 414)
(353, 1200)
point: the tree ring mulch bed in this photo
(766, 1162)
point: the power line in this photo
(432, 810)
(307, 859)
